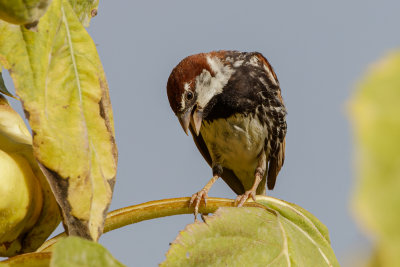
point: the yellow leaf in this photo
(60, 80)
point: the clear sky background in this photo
(319, 50)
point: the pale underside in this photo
(236, 143)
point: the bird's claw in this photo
(196, 200)
(242, 198)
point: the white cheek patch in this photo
(207, 86)
(204, 89)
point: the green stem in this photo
(152, 210)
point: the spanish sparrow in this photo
(231, 102)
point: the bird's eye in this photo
(189, 95)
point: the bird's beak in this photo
(197, 118)
(194, 118)
(184, 120)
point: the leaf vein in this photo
(285, 249)
(78, 82)
(300, 214)
(310, 238)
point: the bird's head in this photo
(193, 83)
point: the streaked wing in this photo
(277, 139)
(275, 164)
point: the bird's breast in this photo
(235, 142)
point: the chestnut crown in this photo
(181, 86)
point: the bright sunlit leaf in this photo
(59, 77)
(281, 234)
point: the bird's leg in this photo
(203, 193)
(259, 174)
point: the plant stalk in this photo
(152, 210)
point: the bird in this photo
(231, 103)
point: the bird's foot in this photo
(242, 198)
(196, 200)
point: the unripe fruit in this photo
(21, 201)
(28, 210)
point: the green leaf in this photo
(59, 77)
(3, 88)
(375, 113)
(75, 251)
(282, 234)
